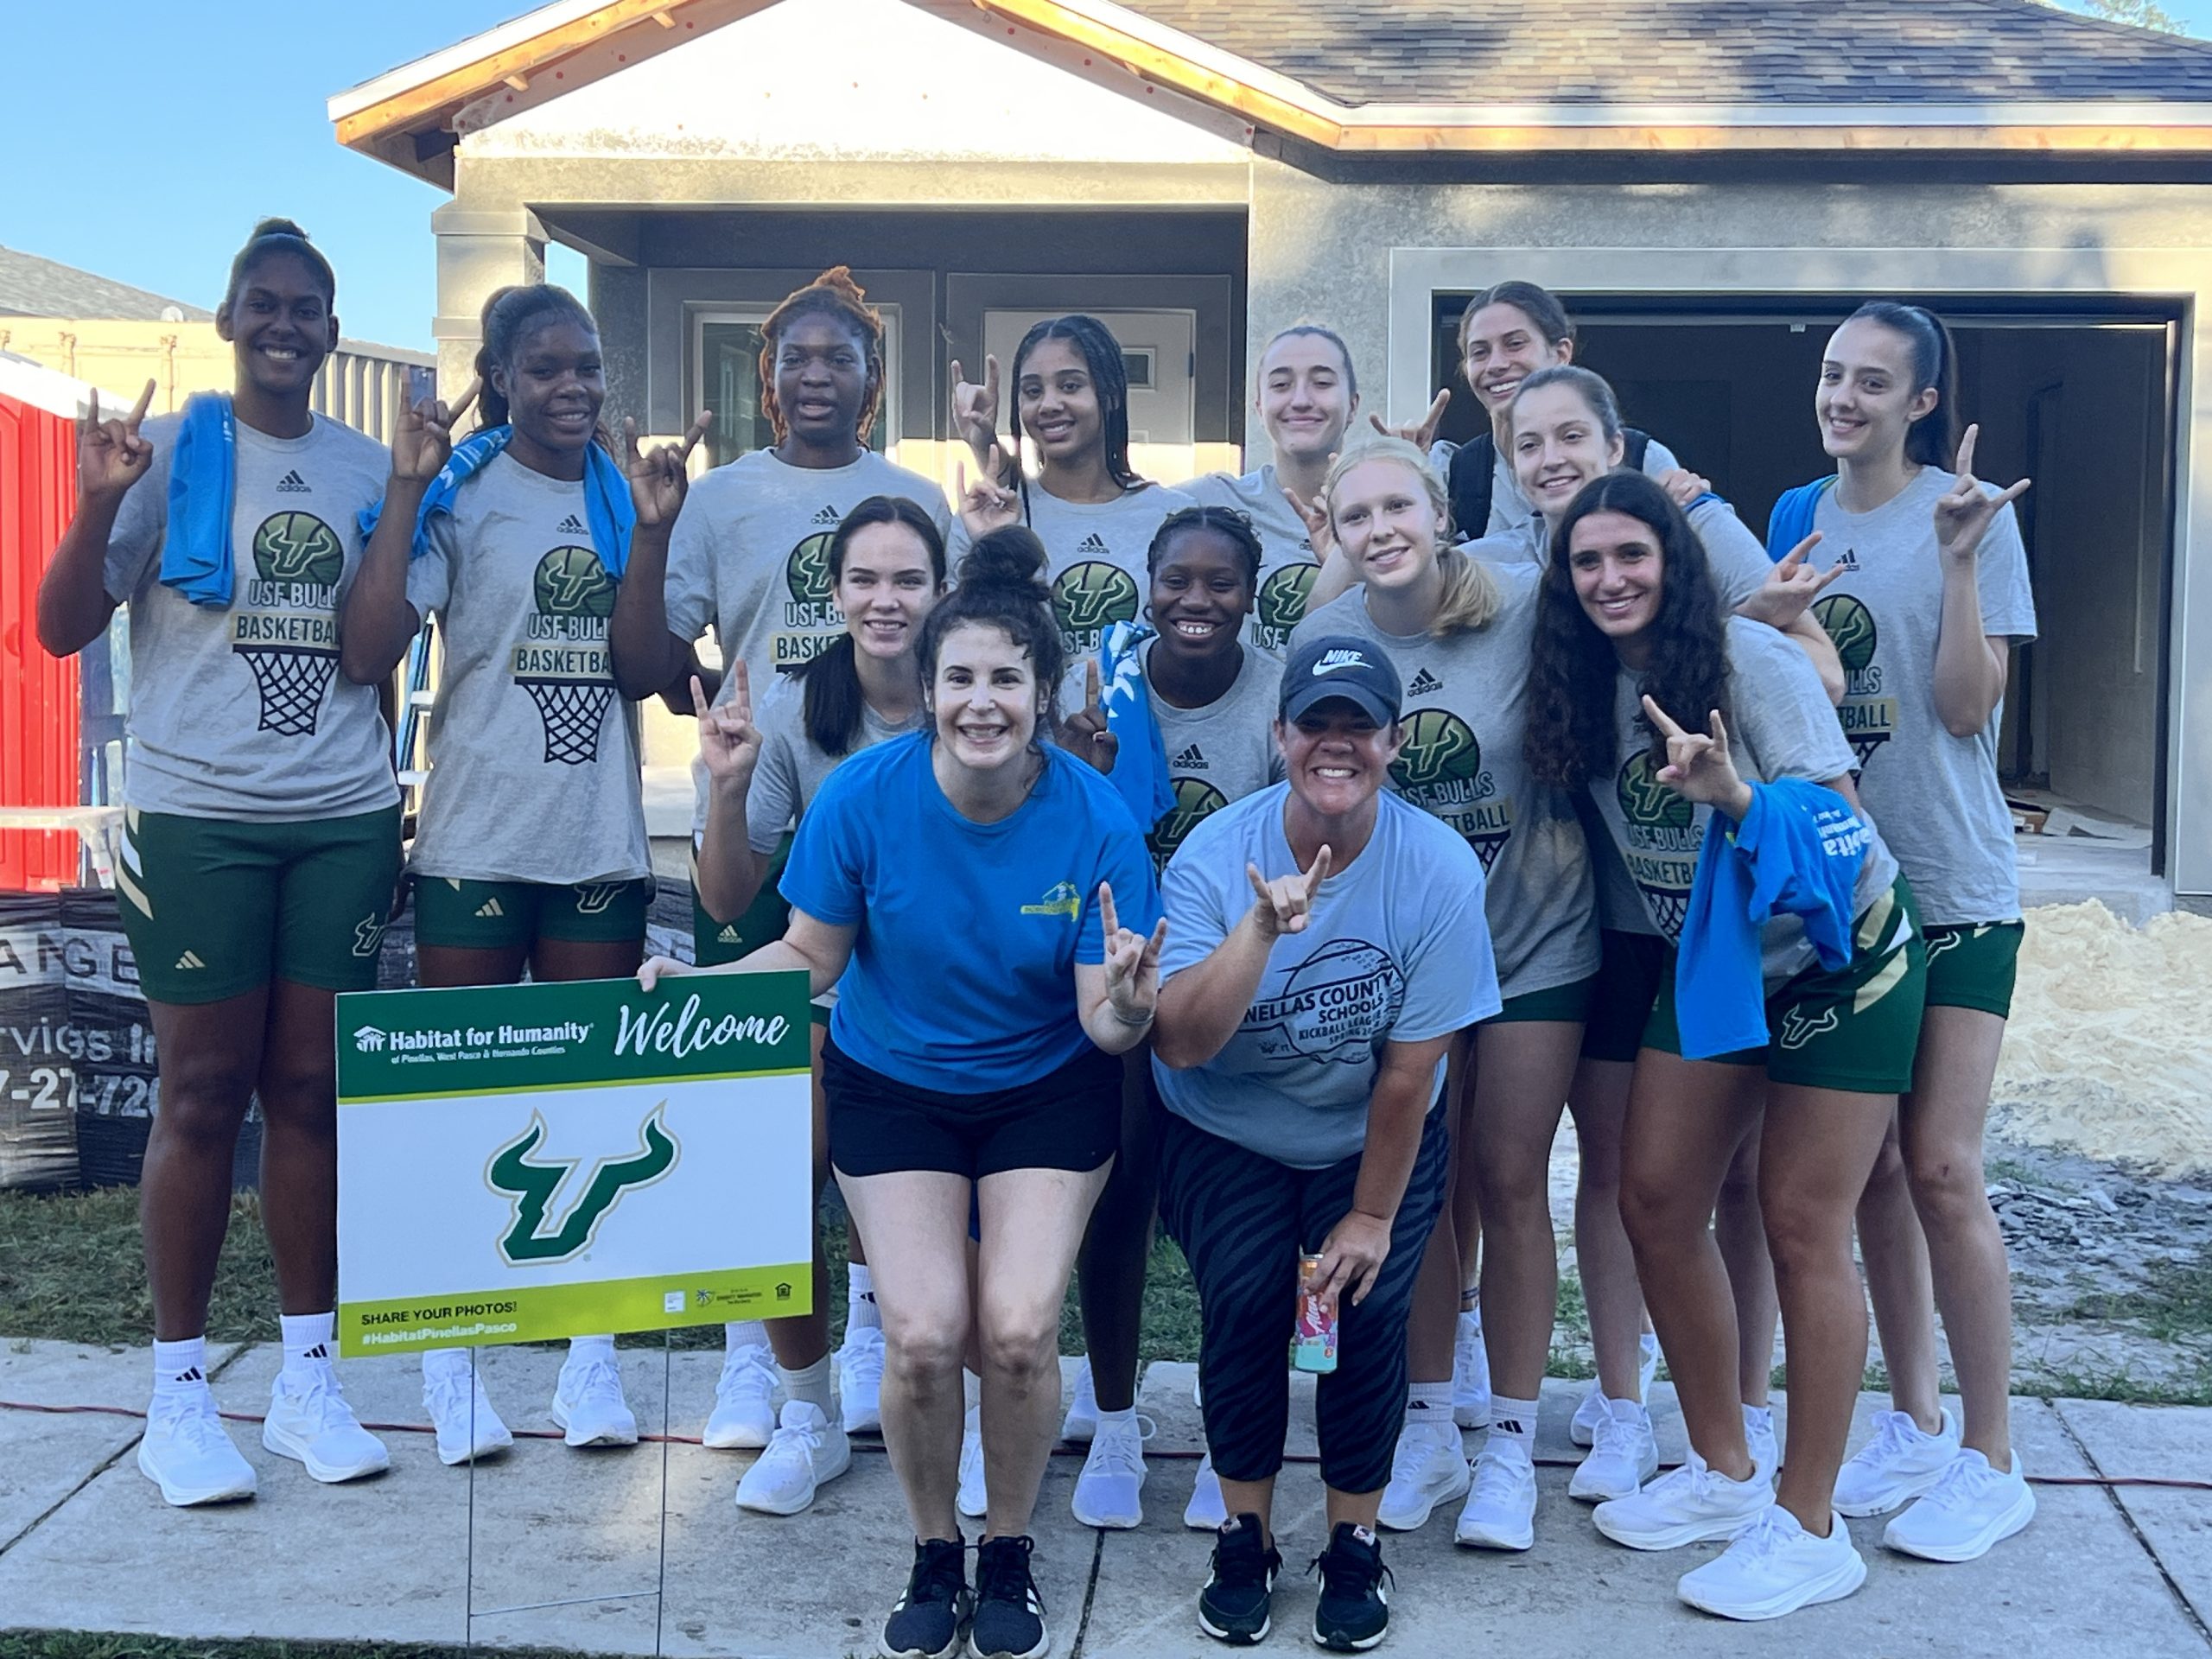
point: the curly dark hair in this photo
(834, 295)
(1572, 667)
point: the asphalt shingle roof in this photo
(1599, 51)
(32, 287)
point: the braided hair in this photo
(1109, 379)
(511, 316)
(834, 295)
(1227, 521)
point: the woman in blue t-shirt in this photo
(958, 886)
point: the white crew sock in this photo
(179, 1368)
(812, 1384)
(1516, 1420)
(1757, 1419)
(592, 1348)
(861, 1311)
(1112, 1419)
(307, 1345)
(744, 1334)
(1428, 1403)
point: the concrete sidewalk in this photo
(85, 1542)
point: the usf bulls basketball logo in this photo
(1090, 598)
(563, 662)
(1662, 854)
(1440, 771)
(1281, 604)
(809, 621)
(1195, 798)
(532, 1184)
(1869, 718)
(285, 627)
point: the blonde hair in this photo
(1470, 597)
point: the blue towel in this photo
(608, 506)
(1791, 521)
(1797, 853)
(1141, 766)
(203, 487)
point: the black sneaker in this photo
(1353, 1612)
(1233, 1607)
(1009, 1614)
(925, 1621)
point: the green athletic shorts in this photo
(1621, 998)
(215, 907)
(1567, 1004)
(714, 943)
(1856, 1029)
(465, 915)
(1973, 964)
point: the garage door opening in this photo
(2081, 404)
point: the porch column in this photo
(479, 251)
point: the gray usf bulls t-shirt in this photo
(793, 765)
(1935, 796)
(533, 754)
(1287, 564)
(1094, 557)
(1781, 726)
(1737, 558)
(1396, 949)
(242, 713)
(1465, 703)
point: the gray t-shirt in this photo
(1738, 560)
(792, 765)
(1094, 556)
(1465, 703)
(1287, 564)
(1781, 726)
(1937, 796)
(1396, 950)
(242, 713)
(1510, 510)
(533, 753)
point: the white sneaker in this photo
(588, 1404)
(187, 1452)
(807, 1450)
(1428, 1468)
(744, 1417)
(468, 1428)
(1583, 1429)
(1760, 1438)
(1107, 1492)
(1207, 1511)
(1501, 1510)
(1774, 1566)
(1470, 1375)
(974, 1500)
(312, 1422)
(1082, 1420)
(1970, 1509)
(860, 1380)
(1688, 1505)
(1896, 1465)
(1625, 1455)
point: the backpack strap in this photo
(1635, 446)
(1467, 482)
(1791, 521)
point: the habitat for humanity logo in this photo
(532, 1184)
(369, 1040)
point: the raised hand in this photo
(1790, 586)
(421, 438)
(1286, 903)
(658, 480)
(1422, 433)
(1320, 533)
(1963, 511)
(729, 743)
(1085, 732)
(1132, 962)
(1682, 485)
(985, 505)
(975, 409)
(111, 455)
(1699, 767)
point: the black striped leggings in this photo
(1242, 1219)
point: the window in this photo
(726, 369)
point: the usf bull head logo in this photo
(533, 1184)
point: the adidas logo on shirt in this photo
(1849, 560)
(568, 526)
(293, 483)
(190, 959)
(1424, 685)
(1094, 546)
(829, 516)
(1191, 760)
(490, 909)
(729, 936)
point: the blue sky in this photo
(150, 162)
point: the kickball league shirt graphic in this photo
(1334, 1007)
(284, 627)
(534, 1162)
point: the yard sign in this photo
(522, 1162)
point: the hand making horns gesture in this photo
(1286, 903)
(1085, 732)
(1422, 433)
(729, 743)
(975, 409)
(985, 505)
(421, 438)
(111, 455)
(658, 480)
(1963, 511)
(1321, 534)
(1132, 962)
(1699, 768)
(1790, 586)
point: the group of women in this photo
(1273, 857)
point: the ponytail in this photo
(510, 317)
(1002, 586)
(1933, 439)
(1540, 305)
(1471, 595)
(833, 704)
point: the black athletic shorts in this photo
(1071, 1119)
